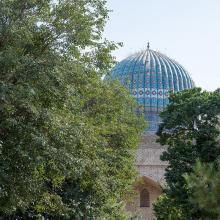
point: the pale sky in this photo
(187, 31)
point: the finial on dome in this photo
(148, 45)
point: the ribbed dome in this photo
(150, 75)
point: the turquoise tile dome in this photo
(150, 75)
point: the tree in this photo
(166, 208)
(189, 132)
(66, 135)
(204, 184)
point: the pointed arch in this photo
(144, 198)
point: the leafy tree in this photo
(166, 208)
(204, 183)
(189, 132)
(66, 136)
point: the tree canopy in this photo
(204, 183)
(189, 132)
(66, 136)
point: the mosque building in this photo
(150, 76)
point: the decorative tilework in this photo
(150, 76)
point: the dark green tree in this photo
(66, 136)
(189, 132)
(204, 184)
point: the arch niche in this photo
(147, 191)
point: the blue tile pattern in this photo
(150, 75)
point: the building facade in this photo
(150, 76)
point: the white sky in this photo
(185, 30)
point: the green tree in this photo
(189, 132)
(66, 136)
(166, 208)
(204, 184)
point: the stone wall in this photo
(151, 170)
(148, 158)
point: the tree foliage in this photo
(166, 208)
(66, 136)
(204, 183)
(189, 132)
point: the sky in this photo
(187, 31)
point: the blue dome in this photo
(150, 75)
